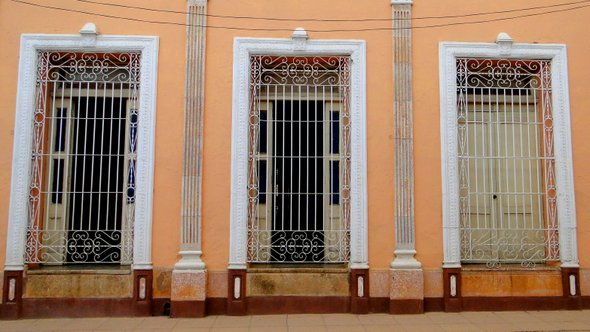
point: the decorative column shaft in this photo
(190, 231)
(407, 279)
(403, 136)
(189, 278)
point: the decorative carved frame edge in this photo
(243, 48)
(566, 207)
(21, 165)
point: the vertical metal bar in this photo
(315, 163)
(51, 115)
(485, 161)
(63, 153)
(270, 180)
(85, 158)
(101, 154)
(515, 192)
(475, 162)
(291, 156)
(276, 161)
(327, 176)
(283, 191)
(522, 157)
(308, 160)
(329, 220)
(330, 97)
(92, 155)
(538, 157)
(75, 156)
(110, 158)
(117, 213)
(299, 157)
(501, 123)
(499, 222)
(529, 157)
(69, 151)
(547, 150)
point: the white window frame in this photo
(243, 49)
(23, 134)
(566, 209)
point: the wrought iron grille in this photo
(82, 189)
(299, 159)
(508, 208)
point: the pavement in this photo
(432, 321)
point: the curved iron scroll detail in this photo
(297, 70)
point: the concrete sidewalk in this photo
(433, 321)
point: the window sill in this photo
(298, 268)
(509, 268)
(80, 269)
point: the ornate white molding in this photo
(566, 209)
(23, 133)
(190, 232)
(243, 48)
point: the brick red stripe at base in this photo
(187, 309)
(125, 307)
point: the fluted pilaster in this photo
(403, 136)
(190, 232)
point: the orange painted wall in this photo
(568, 28)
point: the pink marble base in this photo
(406, 284)
(189, 286)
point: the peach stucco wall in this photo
(554, 28)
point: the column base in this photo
(190, 260)
(405, 260)
(407, 291)
(188, 293)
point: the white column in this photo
(190, 232)
(405, 248)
